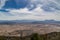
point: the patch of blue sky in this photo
(17, 4)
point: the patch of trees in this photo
(35, 36)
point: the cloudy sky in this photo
(30, 10)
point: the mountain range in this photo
(29, 21)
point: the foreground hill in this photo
(48, 36)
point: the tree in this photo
(35, 36)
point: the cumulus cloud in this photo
(39, 13)
(2, 3)
(25, 14)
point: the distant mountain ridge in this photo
(48, 22)
(29, 21)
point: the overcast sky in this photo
(30, 10)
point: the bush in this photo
(35, 36)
